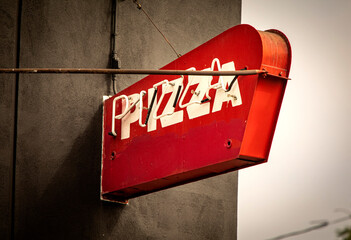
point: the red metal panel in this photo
(268, 96)
(200, 140)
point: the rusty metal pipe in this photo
(128, 71)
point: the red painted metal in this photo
(220, 141)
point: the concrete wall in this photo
(8, 58)
(56, 155)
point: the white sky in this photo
(308, 174)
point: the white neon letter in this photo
(176, 116)
(222, 96)
(124, 111)
(129, 117)
(198, 110)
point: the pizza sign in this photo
(165, 131)
(172, 97)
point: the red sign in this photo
(165, 131)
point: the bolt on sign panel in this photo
(164, 131)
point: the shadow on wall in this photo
(70, 207)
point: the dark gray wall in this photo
(58, 139)
(8, 53)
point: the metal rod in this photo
(128, 71)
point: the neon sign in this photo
(226, 91)
(164, 131)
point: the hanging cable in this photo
(147, 15)
(233, 81)
(114, 58)
(321, 224)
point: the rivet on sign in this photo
(281, 73)
(195, 93)
(113, 155)
(228, 143)
(264, 74)
(233, 96)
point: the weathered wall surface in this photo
(8, 53)
(59, 121)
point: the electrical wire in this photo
(114, 58)
(323, 223)
(148, 16)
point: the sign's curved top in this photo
(168, 130)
